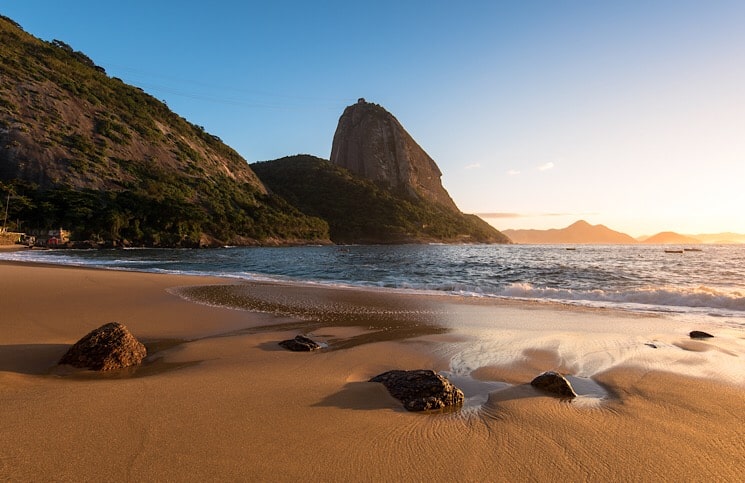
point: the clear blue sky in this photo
(629, 113)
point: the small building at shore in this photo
(50, 238)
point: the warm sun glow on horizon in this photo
(514, 221)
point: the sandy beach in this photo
(219, 400)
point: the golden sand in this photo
(223, 402)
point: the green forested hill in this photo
(359, 211)
(85, 151)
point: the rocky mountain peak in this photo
(371, 143)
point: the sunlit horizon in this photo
(515, 221)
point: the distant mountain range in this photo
(582, 232)
(579, 232)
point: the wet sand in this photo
(219, 400)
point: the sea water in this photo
(709, 282)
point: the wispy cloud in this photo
(546, 166)
(529, 215)
(513, 172)
(499, 215)
(473, 166)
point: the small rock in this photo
(554, 383)
(300, 344)
(697, 334)
(109, 347)
(420, 390)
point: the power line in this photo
(330, 103)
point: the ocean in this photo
(709, 283)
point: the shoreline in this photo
(548, 304)
(228, 403)
(685, 298)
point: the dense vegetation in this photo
(359, 211)
(87, 152)
(162, 216)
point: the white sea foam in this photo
(587, 344)
(697, 297)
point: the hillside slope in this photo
(671, 238)
(360, 211)
(85, 151)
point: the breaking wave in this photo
(682, 297)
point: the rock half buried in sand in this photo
(420, 390)
(109, 347)
(697, 334)
(300, 344)
(554, 383)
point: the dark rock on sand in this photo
(554, 383)
(697, 334)
(109, 347)
(300, 344)
(420, 390)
